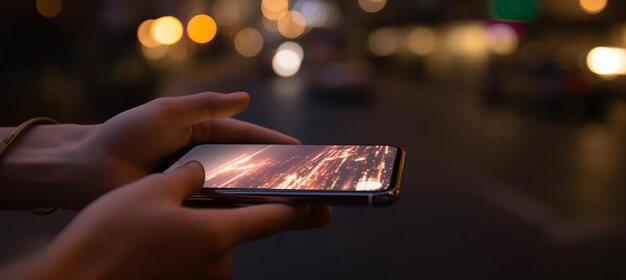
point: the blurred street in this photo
(515, 166)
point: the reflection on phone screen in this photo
(296, 167)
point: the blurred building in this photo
(512, 112)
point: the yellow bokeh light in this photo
(155, 53)
(49, 8)
(607, 61)
(421, 41)
(181, 51)
(467, 40)
(248, 42)
(372, 6)
(201, 29)
(227, 12)
(593, 6)
(270, 25)
(143, 34)
(274, 9)
(383, 42)
(292, 24)
(166, 30)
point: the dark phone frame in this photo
(211, 197)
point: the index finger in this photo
(194, 108)
(230, 130)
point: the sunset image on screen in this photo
(296, 167)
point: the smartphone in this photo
(366, 175)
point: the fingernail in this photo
(238, 93)
(195, 165)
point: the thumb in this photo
(182, 182)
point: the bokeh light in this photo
(421, 41)
(383, 41)
(293, 46)
(593, 6)
(229, 12)
(154, 53)
(166, 30)
(502, 39)
(274, 9)
(181, 51)
(318, 13)
(287, 60)
(372, 6)
(607, 61)
(248, 42)
(270, 25)
(515, 10)
(143, 34)
(201, 29)
(49, 8)
(292, 24)
(467, 40)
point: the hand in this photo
(70, 165)
(141, 231)
(133, 143)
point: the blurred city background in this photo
(512, 113)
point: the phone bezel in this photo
(211, 196)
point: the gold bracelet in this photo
(13, 135)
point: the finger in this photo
(254, 222)
(190, 109)
(319, 216)
(236, 131)
(180, 183)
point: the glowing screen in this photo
(295, 167)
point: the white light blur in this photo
(320, 14)
(287, 60)
(607, 61)
(368, 185)
(166, 30)
(383, 41)
(294, 47)
(502, 39)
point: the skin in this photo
(139, 230)
(70, 165)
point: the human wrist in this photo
(46, 167)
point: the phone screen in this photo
(295, 167)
